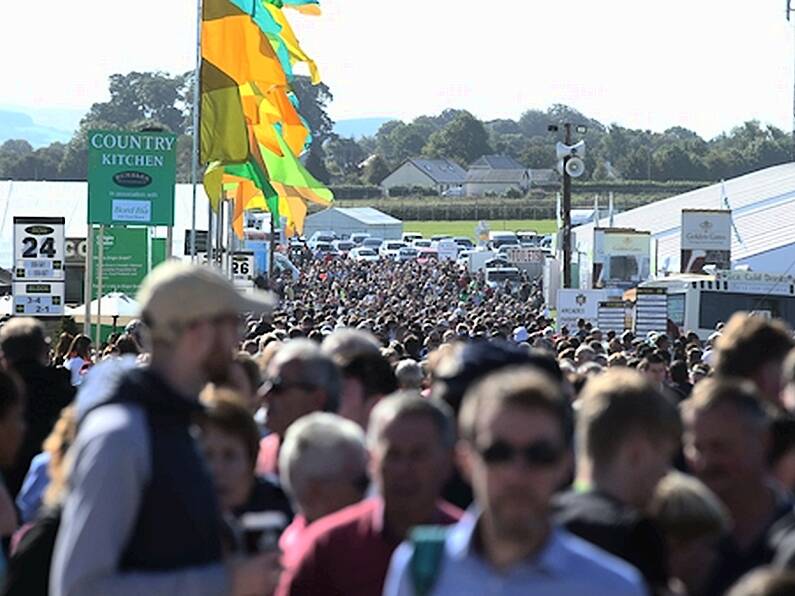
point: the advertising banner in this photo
(621, 258)
(125, 260)
(626, 258)
(131, 177)
(706, 239)
(578, 304)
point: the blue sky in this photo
(704, 64)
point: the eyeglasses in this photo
(278, 385)
(539, 453)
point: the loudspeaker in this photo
(575, 167)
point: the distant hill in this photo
(16, 124)
(359, 127)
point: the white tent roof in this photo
(763, 206)
(114, 305)
(70, 200)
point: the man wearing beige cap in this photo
(141, 516)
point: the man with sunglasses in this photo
(515, 441)
(141, 515)
(301, 379)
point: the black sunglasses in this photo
(539, 453)
(278, 384)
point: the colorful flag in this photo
(251, 129)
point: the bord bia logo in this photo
(132, 179)
(39, 230)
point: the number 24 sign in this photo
(39, 248)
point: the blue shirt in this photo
(567, 566)
(36, 482)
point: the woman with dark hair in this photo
(62, 348)
(79, 356)
(230, 441)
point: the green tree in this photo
(343, 157)
(376, 170)
(137, 96)
(464, 140)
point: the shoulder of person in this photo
(599, 566)
(115, 424)
(326, 529)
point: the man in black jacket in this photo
(26, 352)
(627, 435)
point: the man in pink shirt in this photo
(410, 440)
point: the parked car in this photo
(425, 255)
(325, 250)
(500, 238)
(463, 258)
(321, 236)
(438, 237)
(409, 237)
(464, 242)
(422, 243)
(407, 253)
(374, 243)
(447, 249)
(389, 249)
(343, 246)
(363, 253)
(358, 237)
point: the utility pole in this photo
(566, 212)
(789, 15)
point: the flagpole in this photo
(195, 160)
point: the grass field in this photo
(467, 228)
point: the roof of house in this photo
(485, 176)
(763, 211)
(496, 162)
(365, 215)
(442, 171)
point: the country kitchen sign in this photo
(131, 177)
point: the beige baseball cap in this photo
(176, 294)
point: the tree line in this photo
(614, 152)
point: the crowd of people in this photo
(397, 429)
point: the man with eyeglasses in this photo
(515, 440)
(300, 380)
(142, 516)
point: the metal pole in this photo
(230, 234)
(195, 156)
(100, 274)
(271, 249)
(210, 231)
(170, 241)
(567, 214)
(150, 231)
(89, 280)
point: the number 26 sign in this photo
(39, 248)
